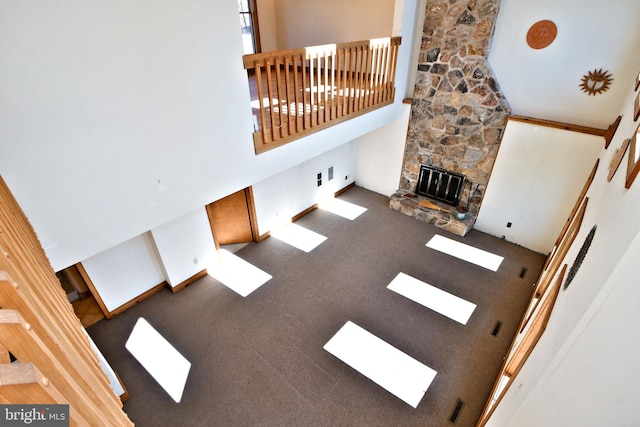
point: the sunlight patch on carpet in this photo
(163, 362)
(236, 273)
(298, 237)
(433, 298)
(465, 252)
(382, 363)
(342, 208)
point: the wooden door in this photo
(232, 218)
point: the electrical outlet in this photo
(319, 178)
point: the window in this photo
(249, 26)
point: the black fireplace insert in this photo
(440, 184)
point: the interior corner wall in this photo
(537, 177)
(282, 196)
(379, 156)
(581, 371)
(126, 271)
(185, 246)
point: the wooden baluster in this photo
(374, 56)
(326, 86)
(340, 87)
(268, 74)
(279, 98)
(296, 94)
(318, 95)
(381, 74)
(364, 72)
(371, 69)
(394, 63)
(263, 122)
(357, 84)
(306, 118)
(387, 66)
(349, 78)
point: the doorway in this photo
(79, 295)
(233, 219)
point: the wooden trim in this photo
(407, 101)
(611, 131)
(124, 307)
(253, 215)
(264, 237)
(617, 159)
(559, 125)
(304, 212)
(94, 291)
(261, 147)
(212, 226)
(38, 325)
(343, 189)
(576, 205)
(563, 248)
(253, 9)
(543, 319)
(633, 164)
(636, 107)
(180, 286)
(124, 396)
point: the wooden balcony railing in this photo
(301, 91)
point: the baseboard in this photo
(304, 212)
(180, 286)
(124, 307)
(124, 396)
(308, 210)
(343, 189)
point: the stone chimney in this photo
(458, 114)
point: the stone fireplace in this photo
(458, 114)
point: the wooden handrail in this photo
(301, 91)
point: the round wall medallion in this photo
(542, 34)
(597, 81)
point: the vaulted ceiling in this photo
(591, 35)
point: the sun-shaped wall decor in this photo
(597, 81)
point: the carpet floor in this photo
(259, 360)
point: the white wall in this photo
(268, 25)
(531, 186)
(282, 196)
(380, 154)
(310, 23)
(185, 246)
(584, 367)
(126, 271)
(593, 378)
(119, 117)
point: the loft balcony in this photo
(297, 92)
